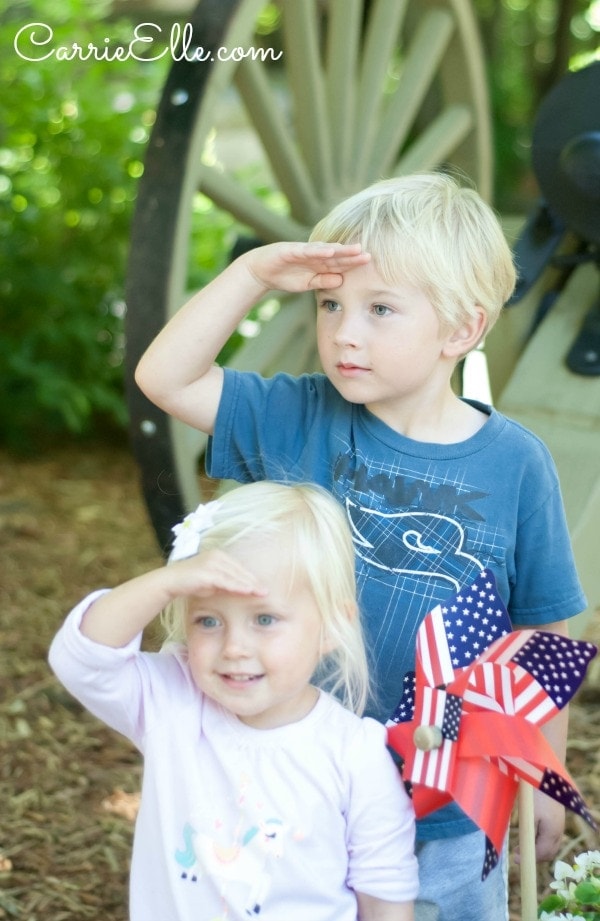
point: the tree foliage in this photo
(71, 151)
(529, 46)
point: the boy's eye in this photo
(265, 620)
(330, 306)
(380, 310)
(207, 621)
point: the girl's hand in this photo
(117, 617)
(302, 266)
(205, 574)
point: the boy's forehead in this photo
(370, 279)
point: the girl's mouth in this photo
(233, 678)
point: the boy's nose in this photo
(347, 332)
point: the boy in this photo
(409, 275)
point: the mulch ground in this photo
(70, 521)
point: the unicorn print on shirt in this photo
(245, 861)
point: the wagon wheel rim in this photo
(362, 92)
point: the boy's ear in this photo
(467, 336)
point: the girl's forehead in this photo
(274, 558)
(262, 546)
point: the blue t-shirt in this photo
(426, 518)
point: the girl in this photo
(262, 794)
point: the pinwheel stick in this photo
(528, 872)
(426, 738)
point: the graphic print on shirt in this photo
(238, 858)
(418, 536)
(415, 543)
(411, 525)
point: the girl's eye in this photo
(380, 310)
(265, 620)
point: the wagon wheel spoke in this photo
(419, 68)
(307, 86)
(259, 97)
(238, 201)
(342, 59)
(379, 50)
(438, 141)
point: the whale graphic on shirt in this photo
(424, 544)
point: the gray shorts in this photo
(450, 877)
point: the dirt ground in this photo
(71, 521)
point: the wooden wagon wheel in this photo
(364, 89)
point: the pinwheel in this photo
(467, 726)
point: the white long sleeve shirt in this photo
(283, 824)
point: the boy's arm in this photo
(177, 372)
(372, 909)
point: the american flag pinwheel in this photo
(467, 725)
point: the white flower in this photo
(577, 888)
(563, 870)
(188, 533)
(563, 887)
(588, 862)
(552, 916)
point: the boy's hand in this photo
(298, 267)
(549, 826)
(178, 370)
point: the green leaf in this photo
(588, 893)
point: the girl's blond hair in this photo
(427, 230)
(321, 552)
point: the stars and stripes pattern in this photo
(548, 670)
(406, 705)
(454, 633)
(434, 768)
(488, 689)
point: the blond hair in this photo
(321, 552)
(427, 230)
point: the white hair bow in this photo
(188, 533)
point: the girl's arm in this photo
(117, 617)
(177, 372)
(372, 909)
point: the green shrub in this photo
(70, 153)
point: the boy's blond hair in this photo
(307, 519)
(427, 230)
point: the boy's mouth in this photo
(349, 369)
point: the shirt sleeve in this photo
(547, 587)
(107, 681)
(380, 823)
(263, 426)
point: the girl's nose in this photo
(236, 643)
